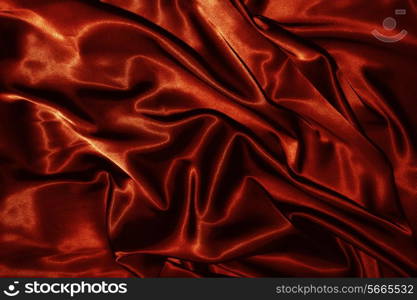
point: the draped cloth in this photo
(208, 138)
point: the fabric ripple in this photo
(201, 138)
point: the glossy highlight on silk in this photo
(207, 138)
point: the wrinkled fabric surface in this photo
(207, 138)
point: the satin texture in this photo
(207, 138)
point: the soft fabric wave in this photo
(197, 138)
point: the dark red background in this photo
(207, 138)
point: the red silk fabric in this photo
(206, 138)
